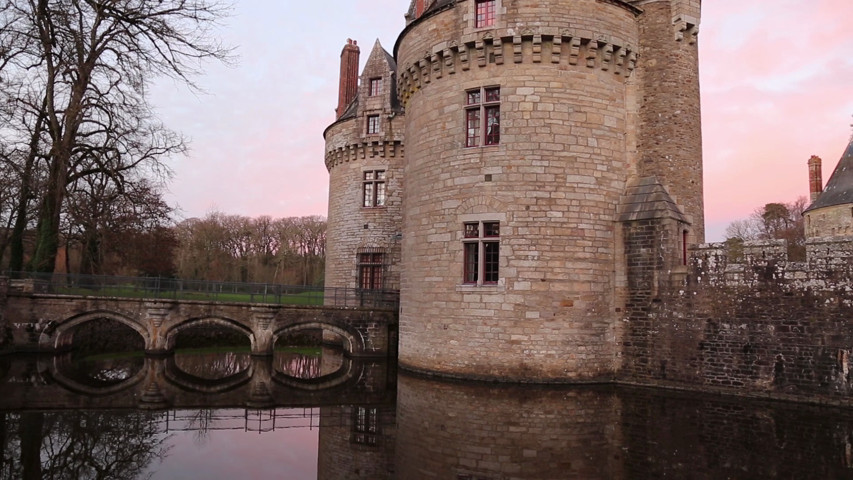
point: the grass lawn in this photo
(303, 298)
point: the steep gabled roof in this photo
(839, 188)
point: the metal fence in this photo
(178, 289)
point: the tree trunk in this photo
(47, 232)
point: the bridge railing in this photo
(179, 289)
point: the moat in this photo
(325, 416)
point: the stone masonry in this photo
(596, 187)
(595, 96)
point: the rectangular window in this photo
(375, 87)
(372, 124)
(365, 426)
(485, 13)
(481, 246)
(370, 270)
(483, 117)
(373, 188)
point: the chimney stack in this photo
(419, 8)
(815, 177)
(349, 76)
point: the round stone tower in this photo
(364, 156)
(524, 127)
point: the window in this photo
(372, 124)
(370, 269)
(485, 13)
(365, 426)
(483, 117)
(373, 188)
(375, 87)
(481, 242)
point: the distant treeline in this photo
(218, 247)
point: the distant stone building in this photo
(831, 211)
(552, 166)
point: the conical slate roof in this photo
(839, 188)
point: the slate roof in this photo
(839, 188)
(352, 109)
(647, 198)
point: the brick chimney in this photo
(349, 76)
(419, 8)
(815, 177)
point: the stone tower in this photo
(364, 156)
(553, 181)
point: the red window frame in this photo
(482, 117)
(375, 87)
(486, 13)
(481, 252)
(371, 270)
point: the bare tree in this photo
(92, 60)
(774, 221)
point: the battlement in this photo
(531, 45)
(362, 150)
(827, 266)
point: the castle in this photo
(529, 175)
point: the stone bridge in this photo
(46, 322)
(52, 382)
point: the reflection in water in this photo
(214, 365)
(79, 445)
(298, 365)
(103, 370)
(411, 428)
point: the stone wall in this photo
(761, 327)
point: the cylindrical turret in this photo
(670, 127)
(518, 123)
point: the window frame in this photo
(483, 116)
(365, 426)
(373, 124)
(485, 13)
(371, 270)
(481, 252)
(375, 86)
(374, 188)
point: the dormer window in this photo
(375, 87)
(486, 10)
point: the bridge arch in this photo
(354, 342)
(224, 322)
(59, 335)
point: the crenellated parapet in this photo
(363, 150)
(530, 45)
(765, 262)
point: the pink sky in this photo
(777, 87)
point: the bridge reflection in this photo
(181, 381)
